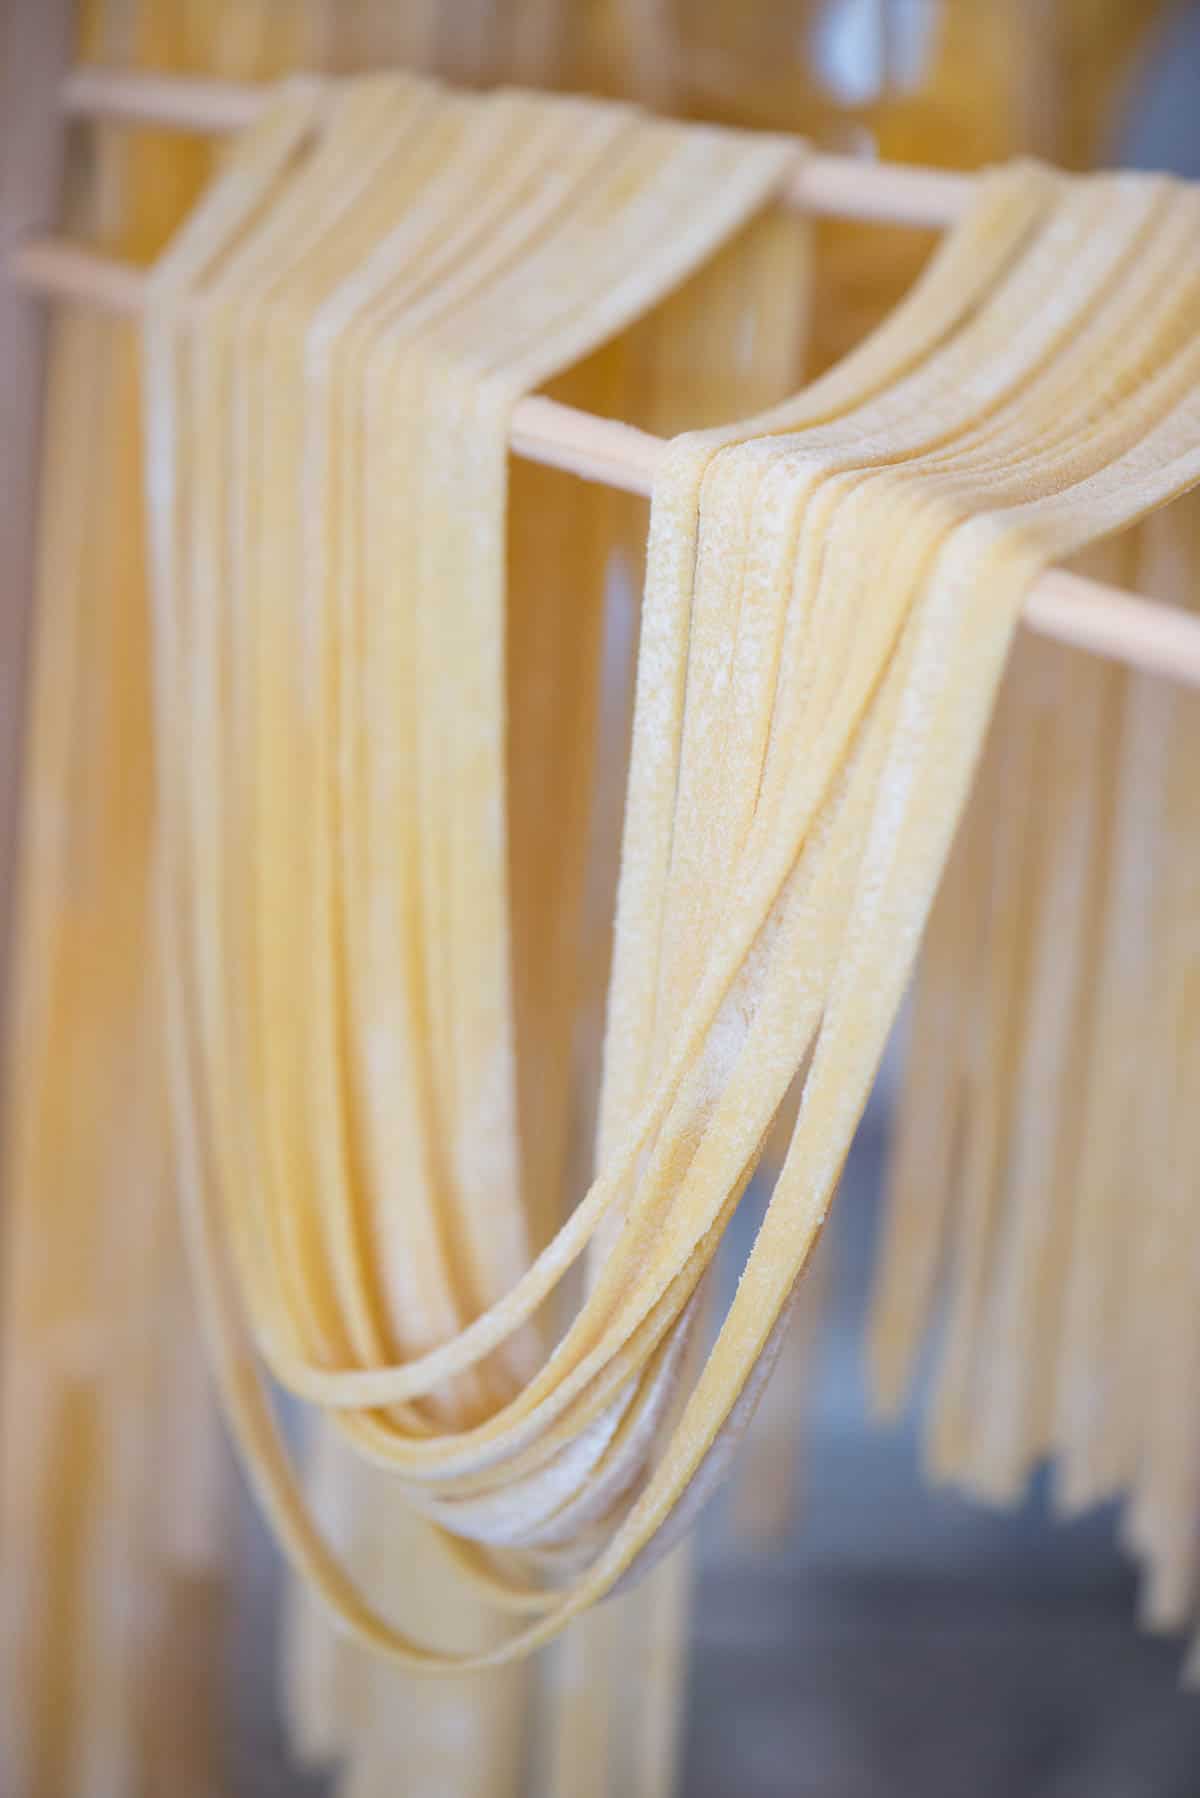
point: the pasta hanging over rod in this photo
(333, 349)
(1049, 1077)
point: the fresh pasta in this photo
(335, 915)
(379, 650)
(1048, 1079)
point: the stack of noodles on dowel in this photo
(831, 592)
(1040, 1230)
(733, 330)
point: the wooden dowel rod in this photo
(884, 193)
(1088, 615)
(831, 186)
(67, 271)
(1122, 627)
(181, 102)
(597, 449)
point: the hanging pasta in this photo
(637, 379)
(771, 896)
(114, 1604)
(375, 760)
(765, 162)
(1048, 1078)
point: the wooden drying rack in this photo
(1157, 638)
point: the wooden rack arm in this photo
(180, 102)
(597, 449)
(849, 187)
(1122, 627)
